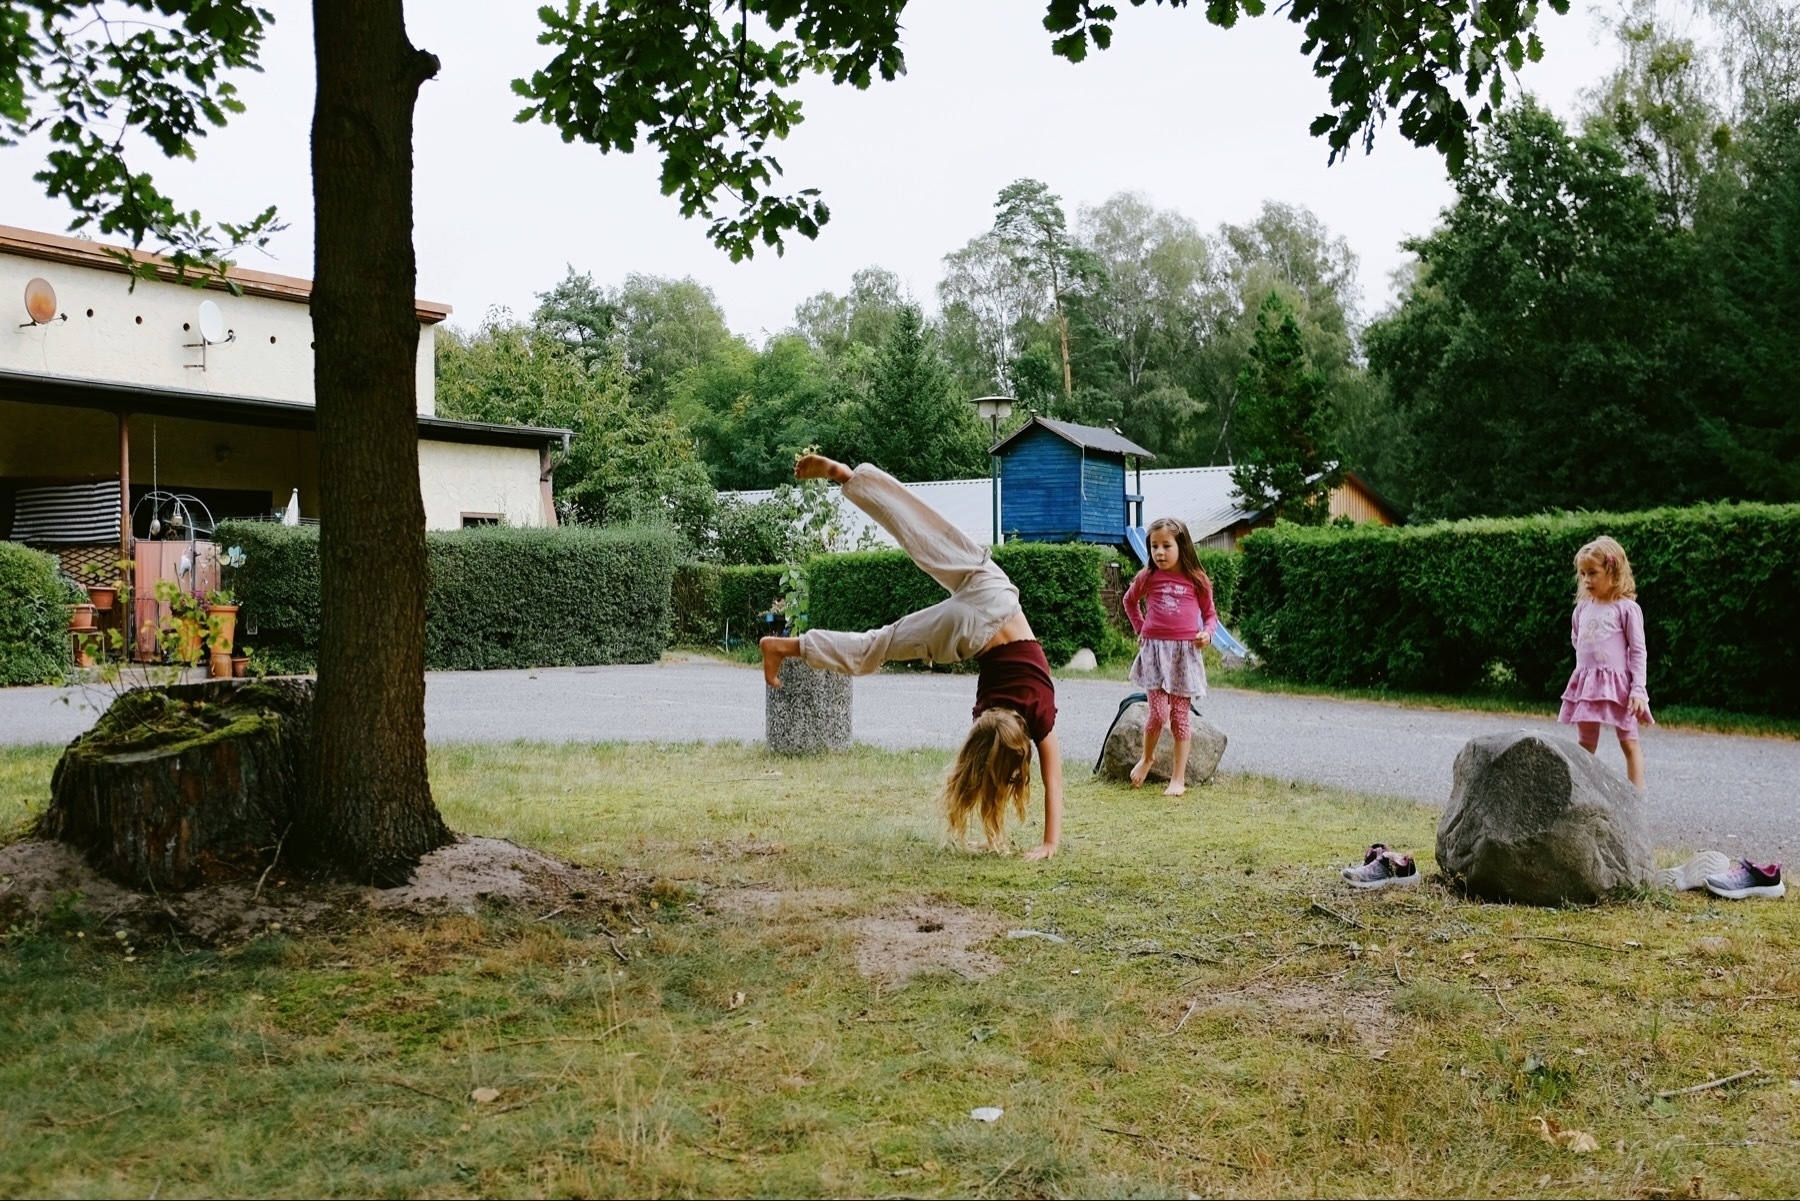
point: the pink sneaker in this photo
(1381, 868)
(1745, 879)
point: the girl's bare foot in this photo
(1140, 773)
(774, 649)
(1175, 788)
(818, 467)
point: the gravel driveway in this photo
(1730, 792)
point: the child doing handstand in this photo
(1607, 629)
(1170, 605)
(1015, 701)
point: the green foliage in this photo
(707, 596)
(498, 597)
(1059, 587)
(1284, 417)
(34, 644)
(628, 463)
(912, 423)
(540, 597)
(1451, 608)
(87, 76)
(1225, 569)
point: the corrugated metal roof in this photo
(1091, 437)
(1203, 497)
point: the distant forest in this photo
(1607, 317)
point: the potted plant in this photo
(81, 617)
(240, 663)
(221, 616)
(103, 596)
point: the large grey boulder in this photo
(1125, 744)
(1540, 821)
(809, 713)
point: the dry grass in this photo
(1223, 1017)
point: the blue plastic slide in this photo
(1134, 538)
(1228, 645)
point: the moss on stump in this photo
(179, 787)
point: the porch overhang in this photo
(68, 392)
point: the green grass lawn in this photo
(1223, 1017)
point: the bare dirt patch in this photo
(38, 878)
(897, 944)
(1320, 1011)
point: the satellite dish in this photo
(40, 301)
(212, 322)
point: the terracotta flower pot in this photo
(218, 665)
(103, 596)
(240, 666)
(221, 621)
(81, 617)
(189, 635)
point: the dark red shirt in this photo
(1016, 676)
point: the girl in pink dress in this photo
(1170, 605)
(1607, 629)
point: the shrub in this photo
(496, 598)
(34, 619)
(1059, 586)
(1450, 607)
(1225, 569)
(706, 596)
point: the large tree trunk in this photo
(369, 812)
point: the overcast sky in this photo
(1206, 121)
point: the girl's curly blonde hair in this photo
(992, 772)
(1608, 556)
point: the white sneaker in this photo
(1381, 869)
(1692, 874)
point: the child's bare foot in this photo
(774, 649)
(1175, 788)
(818, 467)
(1140, 773)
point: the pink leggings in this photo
(1163, 713)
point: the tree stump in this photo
(179, 787)
(809, 713)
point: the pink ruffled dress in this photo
(1609, 665)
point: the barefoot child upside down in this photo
(1015, 701)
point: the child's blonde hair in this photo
(1609, 556)
(992, 771)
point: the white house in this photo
(108, 390)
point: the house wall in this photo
(1350, 500)
(1040, 488)
(458, 478)
(136, 336)
(1103, 499)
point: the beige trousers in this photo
(981, 597)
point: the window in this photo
(474, 520)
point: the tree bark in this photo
(369, 813)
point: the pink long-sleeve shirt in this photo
(1173, 607)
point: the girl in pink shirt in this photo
(1170, 605)
(1607, 629)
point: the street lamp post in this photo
(996, 409)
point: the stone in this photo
(1125, 744)
(809, 713)
(1539, 821)
(1082, 660)
(175, 788)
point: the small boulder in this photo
(809, 713)
(1540, 821)
(1082, 660)
(1125, 744)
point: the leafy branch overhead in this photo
(89, 75)
(709, 85)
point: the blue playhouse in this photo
(1061, 482)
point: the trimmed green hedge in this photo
(1225, 569)
(498, 597)
(34, 618)
(707, 595)
(1059, 586)
(1454, 607)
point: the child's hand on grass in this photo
(1041, 851)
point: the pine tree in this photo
(1290, 461)
(911, 424)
